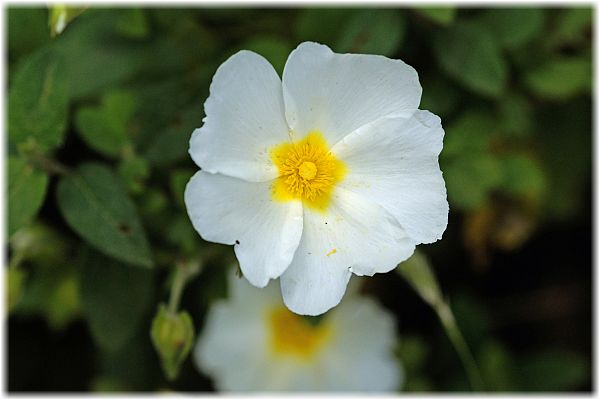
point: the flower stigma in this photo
(308, 171)
(292, 335)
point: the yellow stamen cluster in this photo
(292, 335)
(307, 171)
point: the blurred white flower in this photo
(252, 342)
(331, 171)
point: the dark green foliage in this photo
(99, 119)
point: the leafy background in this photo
(99, 118)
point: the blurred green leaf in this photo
(39, 243)
(26, 30)
(134, 171)
(497, 367)
(470, 54)
(568, 371)
(95, 57)
(26, 193)
(321, 25)
(561, 78)
(372, 31)
(470, 179)
(133, 23)
(440, 15)
(38, 101)
(513, 26)
(60, 16)
(14, 278)
(571, 27)
(115, 299)
(104, 128)
(172, 143)
(516, 116)
(469, 134)
(53, 293)
(522, 176)
(95, 205)
(439, 96)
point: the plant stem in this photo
(446, 317)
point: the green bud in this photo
(60, 16)
(172, 335)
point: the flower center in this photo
(292, 335)
(308, 171)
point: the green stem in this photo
(458, 341)
(183, 272)
(177, 290)
(43, 161)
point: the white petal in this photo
(363, 349)
(338, 93)
(354, 235)
(395, 163)
(232, 211)
(244, 120)
(235, 337)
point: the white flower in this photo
(331, 171)
(252, 342)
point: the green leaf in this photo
(470, 54)
(104, 128)
(372, 31)
(96, 206)
(470, 179)
(522, 176)
(133, 23)
(321, 24)
(568, 370)
(439, 96)
(441, 15)
(115, 299)
(497, 367)
(60, 16)
(514, 27)
(89, 46)
(134, 171)
(172, 142)
(38, 101)
(468, 134)
(26, 30)
(571, 26)
(26, 193)
(516, 116)
(561, 78)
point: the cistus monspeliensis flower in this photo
(252, 342)
(331, 171)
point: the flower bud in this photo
(172, 335)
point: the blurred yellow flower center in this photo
(308, 171)
(293, 335)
